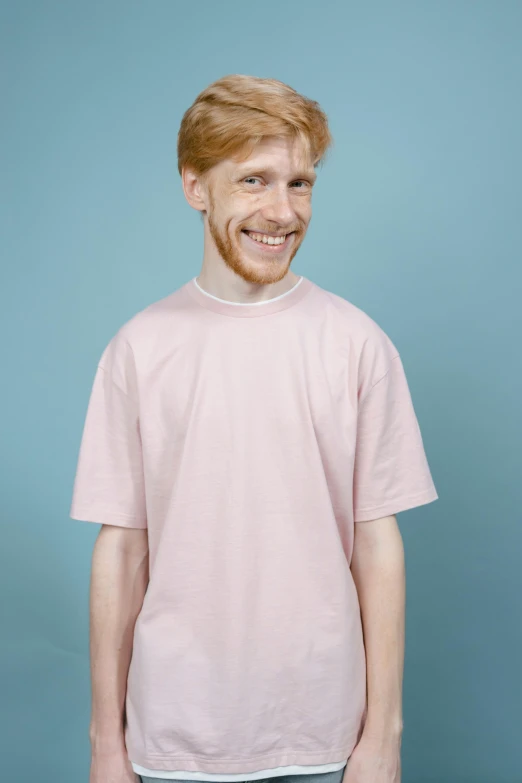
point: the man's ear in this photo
(194, 189)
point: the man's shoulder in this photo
(153, 315)
(354, 318)
(134, 339)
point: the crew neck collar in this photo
(249, 309)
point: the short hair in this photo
(233, 114)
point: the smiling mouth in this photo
(267, 240)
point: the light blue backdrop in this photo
(416, 220)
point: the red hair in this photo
(233, 114)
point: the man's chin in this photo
(263, 271)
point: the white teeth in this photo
(266, 240)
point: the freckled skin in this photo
(269, 192)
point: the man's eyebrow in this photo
(252, 170)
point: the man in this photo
(248, 443)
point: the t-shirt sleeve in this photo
(109, 483)
(391, 471)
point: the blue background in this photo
(417, 220)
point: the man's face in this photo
(268, 194)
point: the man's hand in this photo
(374, 761)
(112, 766)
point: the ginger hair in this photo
(233, 114)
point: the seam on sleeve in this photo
(397, 505)
(102, 517)
(126, 394)
(379, 380)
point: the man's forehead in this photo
(295, 163)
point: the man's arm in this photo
(119, 579)
(378, 569)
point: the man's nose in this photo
(278, 207)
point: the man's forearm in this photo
(119, 579)
(378, 570)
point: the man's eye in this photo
(252, 178)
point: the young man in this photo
(248, 443)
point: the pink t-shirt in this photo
(248, 440)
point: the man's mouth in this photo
(267, 239)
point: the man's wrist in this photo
(383, 727)
(108, 740)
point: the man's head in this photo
(247, 153)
